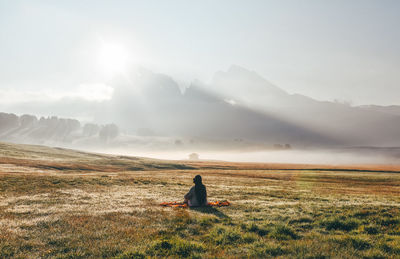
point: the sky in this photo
(346, 50)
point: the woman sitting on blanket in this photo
(197, 196)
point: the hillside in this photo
(70, 204)
(68, 160)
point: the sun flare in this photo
(112, 58)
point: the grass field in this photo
(58, 203)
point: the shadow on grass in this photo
(210, 210)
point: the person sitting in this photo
(197, 195)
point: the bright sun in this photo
(112, 58)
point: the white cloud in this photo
(94, 92)
(89, 92)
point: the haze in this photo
(345, 50)
(212, 76)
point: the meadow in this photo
(60, 203)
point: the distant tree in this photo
(49, 121)
(178, 142)
(108, 132)
(90, 129)
(288, 146)
(194, 156)
(42, 121)
(73, 125)
(53, 121)
(27, 121)
(8, 121)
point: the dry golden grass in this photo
(58, 203)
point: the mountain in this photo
(246, 86)
(154, 101)
(347, 124)
(237, 106)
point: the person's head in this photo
(197, 180)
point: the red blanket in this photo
(184, 205)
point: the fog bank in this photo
(329, 157)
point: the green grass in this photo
(72, 212)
